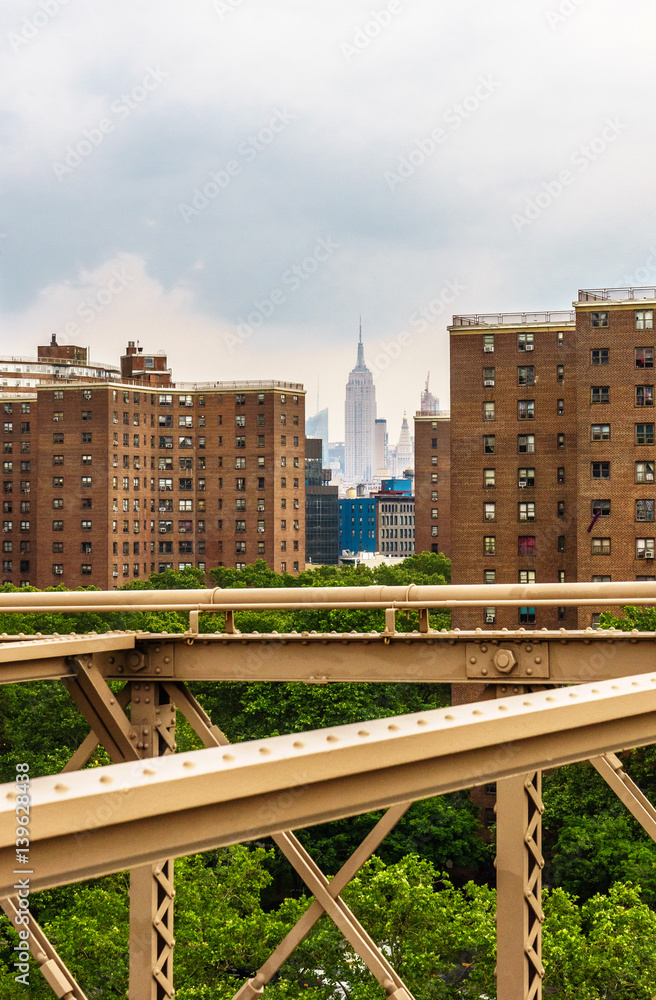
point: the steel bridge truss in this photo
(152, 804)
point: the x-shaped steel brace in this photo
(326, 894)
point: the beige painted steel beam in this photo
(102, 710)
(51, 966)
(33, 659)
(519, 864)
(446, 657)
(196, 801)
(611, 770)
(453, 657)
(324, 891)
(412, 596)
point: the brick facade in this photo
(552, 423)
(104, 483)
(432, 483)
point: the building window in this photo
(599, 394)
(644, 510)
(600, 432)
(644, 395)
(560, 508)
(644, 357)
(525, 342)
(489, 441)
(644, 433)
(644, 472)
(488, 343)
(57, 525)
(526, 576)
(488, 411)
(601, 507)
(525, 375)
(560, 373)
(526, 511)
(58, 569)
(240, 484)
(87, 414)
(525, 409)
(599, 356)
(526, 545)
(600, 470)
(525, 443)
(488, 378)
(600, 546)
(644, 319)
(561, 548)
(560, 441)
(490, 545)
(525, 477)
(644, 548)
(489, 576)
(599, 318)
(488, 479)
(601, 579)
(490, 616)
(560, 407)
(489, 511)
(527, 616)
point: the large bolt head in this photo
(504, 660)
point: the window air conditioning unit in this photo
(488, 348)
(649, 554)
(488, 381)
(522, 483)
(529, 347)
(489, 619)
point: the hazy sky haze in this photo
(236, 182)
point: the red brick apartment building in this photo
(552, 449)
(433, 482)
(108, 479)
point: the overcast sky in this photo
(236, 181)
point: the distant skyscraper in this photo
(360, 412)
(429, 402)
(381, 447)
(317, 427)
(403, 456)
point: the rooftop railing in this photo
(617, 294)
(515, 318)
(231, 386)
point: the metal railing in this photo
(617, 294)
(305, 598)
(560, 316)
(232, 386)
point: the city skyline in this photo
(157, 191)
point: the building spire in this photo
(360, 361)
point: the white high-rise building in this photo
(403, 453)
(360, 451)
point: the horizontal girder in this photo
(90, 823)
(559, 657)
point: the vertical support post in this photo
(152, 718)
(519, 888)
(151, 932)
(424, 624)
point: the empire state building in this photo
(359, 458)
